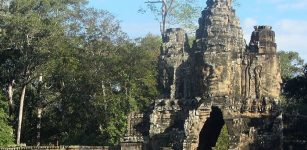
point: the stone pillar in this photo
(173, 54)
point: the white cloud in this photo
(292, 26)
(249, 22)
(292, 42)
(298, 4)
(287, 4)
(292, 35)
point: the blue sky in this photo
(288, 18)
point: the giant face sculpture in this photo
(216, 78)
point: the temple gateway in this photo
(219, 81)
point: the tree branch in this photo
(153, 2)
(170, 8)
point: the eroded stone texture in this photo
(173, 54)
(136, 136)
(220, 80)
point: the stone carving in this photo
(220, 80)
(173, 53)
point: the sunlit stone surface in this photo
(219, 80)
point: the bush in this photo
(6, 131)
(223, 140)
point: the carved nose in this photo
(213, 74)
(213, 77)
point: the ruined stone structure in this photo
(218, 81)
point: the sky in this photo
(287, 17)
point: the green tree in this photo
(151, 43)
(295, 93)
(293, 73)
(79, 77)
(32, 28)
(174, 12)
(223, 140)
(99, 78)
(93, 75)
(89, 106)
(291, 64)
(183, 13)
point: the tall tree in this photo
(32, 28)
(182, 13)
(174, 12)
(98, 85)
(82, 79)
(93, 74)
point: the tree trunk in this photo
(20, 116)
(39, 125)
(164, 15)
(103, 89)
(10, 92)
(39, 110)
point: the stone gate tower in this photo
(218, 81)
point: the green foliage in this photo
(150, 43)
(91, 112)
(81, 54)
(186, 14)
(291, 64)
(295, 95)
(88, 105)
(6, 131)
(183, 13)
(294, 77)
(223, 140)
(296, 88)
(31, 33)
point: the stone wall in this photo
(61, 148)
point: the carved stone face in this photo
(216, 80)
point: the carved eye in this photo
(219, 69)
